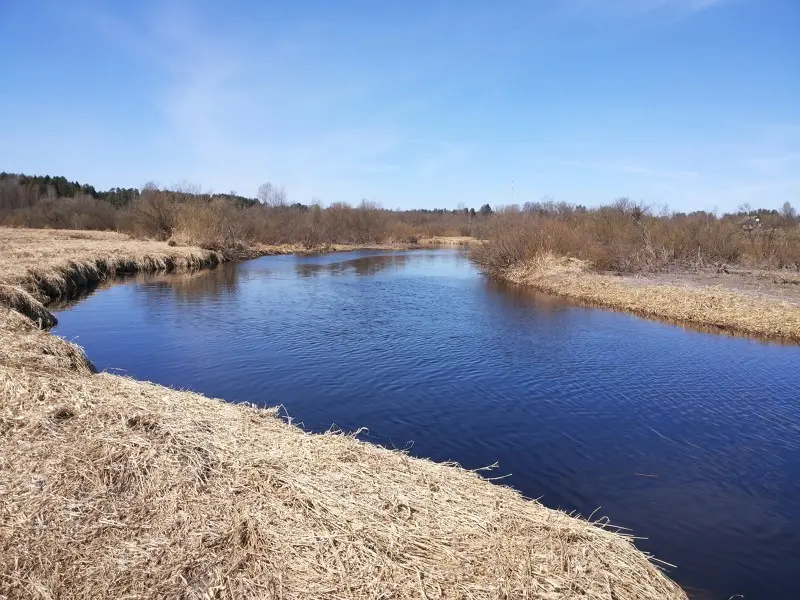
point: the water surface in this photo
(691, 439)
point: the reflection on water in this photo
(520, 297)
(362, 266)
(215, 283)
(212, 283)
(690, 439)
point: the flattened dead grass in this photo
(24, 346)
(115, 488)
(446, 241)
(60, 263)
(24, 303)
(712, 306)
(118, 488)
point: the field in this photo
(119, 488)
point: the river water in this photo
(690, 439)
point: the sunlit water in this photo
(690, 439)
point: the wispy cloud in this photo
(241, 113)
(369, 103)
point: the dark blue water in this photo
(691, 439)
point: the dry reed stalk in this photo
(712, 306)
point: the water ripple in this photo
(690, 439)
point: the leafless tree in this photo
(272, 195)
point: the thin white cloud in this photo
(233, 115)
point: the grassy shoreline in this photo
(114, 487)
(713, 306)
(39, 266)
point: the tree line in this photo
(623, 236)
(214, 219)
(18, 190)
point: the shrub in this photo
(155, 214)
(629, 238)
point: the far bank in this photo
(764, 304)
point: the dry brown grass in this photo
(24, 303)
(57, 263)
(453, 240)
(41, 265)
(117, 488)
(713, 306)
(24, 346)
(114, 488)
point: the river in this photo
(690, 439)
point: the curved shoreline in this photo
(715, 307)
(120, 487)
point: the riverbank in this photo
(763, 304)
(41, 265)
(114, 487)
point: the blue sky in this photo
(690, 103)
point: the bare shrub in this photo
(155, 214)
(627, 237)
(216, 224)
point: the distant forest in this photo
(624, 235)
(18, 190)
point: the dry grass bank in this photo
(117, 488)
(41, 265)
(726, 308)
(735, 272)
(62, 258)
(448, 241)
(57, 263)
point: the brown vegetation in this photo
(711, 306)
(577, 253)
(118, 488)
(627, 237)
(222, 221)
(46, 265)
